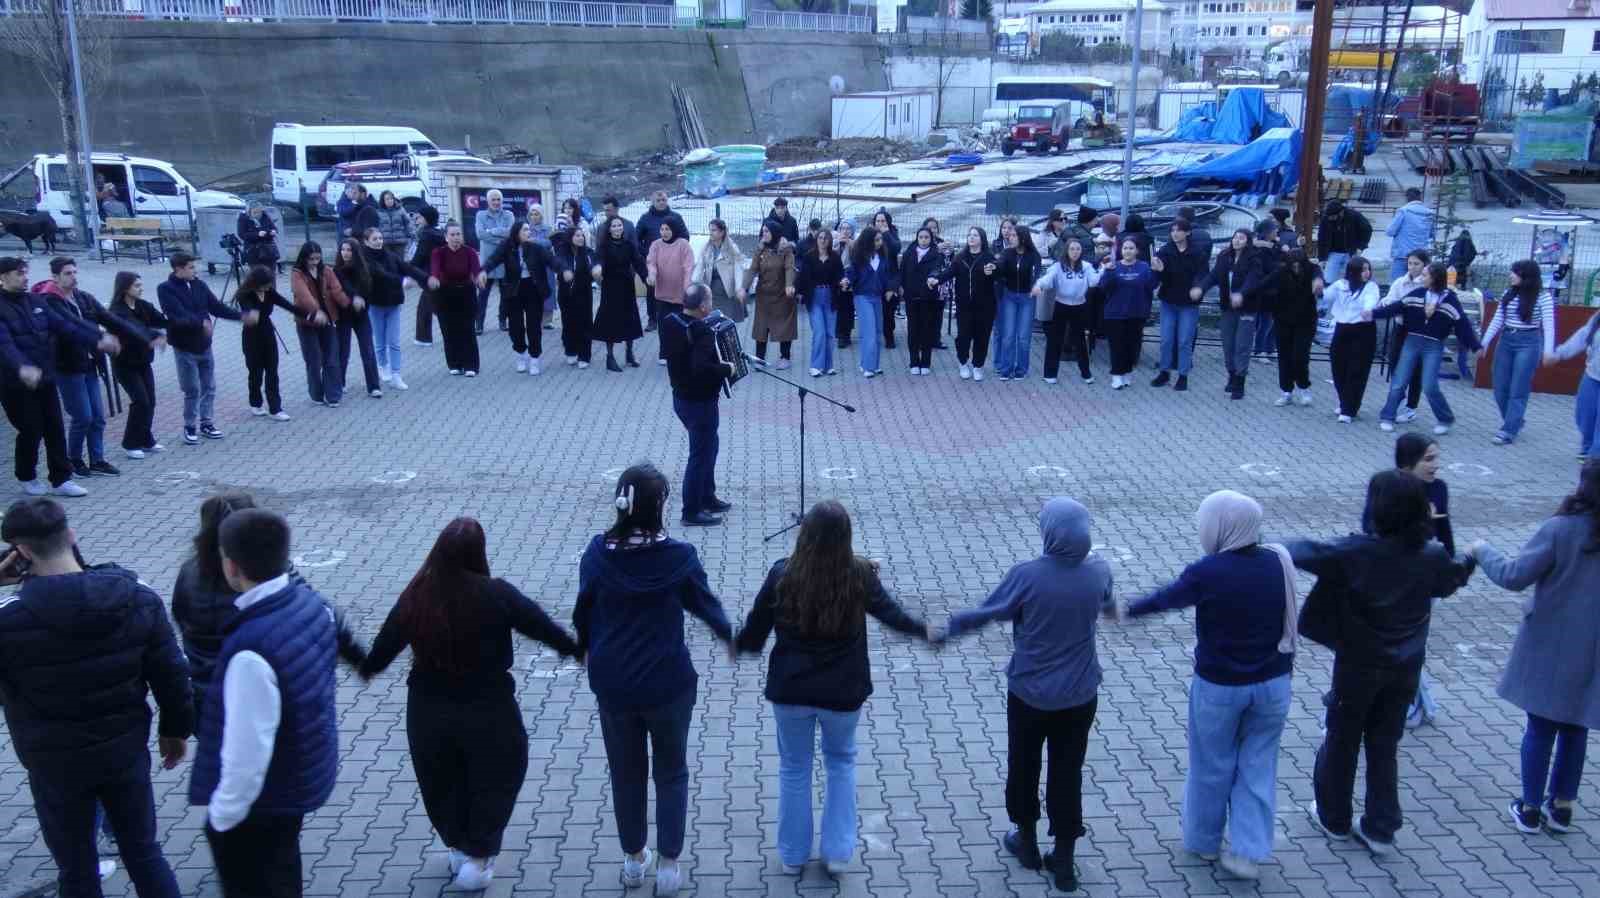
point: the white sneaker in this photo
(661, 362)
(533, 367)
(669, 877)
(1088, 380)
(869, 374)
(69, 489)
(155, 447)
(1303, 397)
(455, 372)
(454, 859)
(794, 869)
(375, 394)
(582, 365)
(258, 411)
(816, 372)
(522, 362)
(1238, 867)
(107, 868)
(133, 453)
(470, 373)
(1441, 429)
(384, 376)
(836, 868)
(977, 374)
(832, 371)
(572, 360)
(1050, 380)
(1407, 415)
(783, 365)
(475, 874)
(1345, 419)
(280, 416)
(397, 383)
(1386, 426)
(1118, 382)
(1282, 400)
(633, 871)
(966, 372)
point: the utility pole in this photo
(89, 215)
(1133, 104)
(1307, 193)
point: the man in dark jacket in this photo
(80, 369)
(30, 332)
(696, 372)
(1372, 605)
(429, 238)
(79, 652)
(1260, 286)
(1343, 232)
(357, 212)
(192, 311)
(648, 232)
(268, 746)
(1199, 235)
(1181, 268)
(781, 222)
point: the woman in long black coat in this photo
(617, 321)
(576, 264)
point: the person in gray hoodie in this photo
(1052, 681)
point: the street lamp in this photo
(90, 212)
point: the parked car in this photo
(1040, 129)
(150, 188)
(1239, 74)
(301, 156)
(406, 175)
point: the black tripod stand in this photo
(804, 391)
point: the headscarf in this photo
(1228, 521)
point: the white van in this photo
(150, 188)
(302, 155)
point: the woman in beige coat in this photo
(772, 273)
(720, 268)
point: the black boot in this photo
(631, 362)
(1182, 384)
(1059, 864)
(611, 361)
(1022, 843)
(1238, 387)
(1161, 379)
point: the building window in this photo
(1537, 40)
(1593, 48)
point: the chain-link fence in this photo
(1491, 269)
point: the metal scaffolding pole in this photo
(1133, 104)
(91, 212)
(1307, 193)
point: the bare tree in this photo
(36, 30)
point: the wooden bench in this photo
(140, 231)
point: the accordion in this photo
(725, 332)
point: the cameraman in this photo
(259, 235)
(79, 650)
(690, 349)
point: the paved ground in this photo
(944, 479)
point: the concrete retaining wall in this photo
(205, 95)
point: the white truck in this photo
(148, 188)
(405, 175)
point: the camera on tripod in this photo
(234, 246)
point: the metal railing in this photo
(579, 13)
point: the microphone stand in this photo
(760, 366)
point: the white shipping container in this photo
(884, 114)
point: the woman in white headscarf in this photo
(1244, 601)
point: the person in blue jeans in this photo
(871, 278)
(634, 585)
(1550, 672)
(1245, 610)
(818, 677)
(1431, 314)
(192, 311)
(1525, 321)
(821, 276)
(1052, 682)
(1586, 341)
(1184, 267)
(1016, 270)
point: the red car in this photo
(1039, 129)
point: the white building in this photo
(1522, 38)
(1245, 26)
(1103, 21)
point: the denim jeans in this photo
(320, 348)
(197, 378)
(1333, 267)
(1238, 332)
(631, 737)
(1397, 268)
(824, 322)
(869, 318)
(797, 727)
(86, 414)
(1514, 365)
(1233, 765)
(699, 418)
(1418, 352)
(1569, 742)
(1266, 334)
(1012, 333)
(68, 801)
(386, 336)
(1587, 415)
(1178, 327)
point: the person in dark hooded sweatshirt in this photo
(1052, 681)
(429, 238)
(634, 585)
(202, 600)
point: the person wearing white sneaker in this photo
(770, 281)
(1283, 400)
(1292, 301)
(821, 277)
(463, 725)
(966, 371)
(1431, 314)
(280, 416)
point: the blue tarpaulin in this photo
(1269, 164)
(1346, 102)
(1244, 115)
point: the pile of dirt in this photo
(636, 177)
(857, 151)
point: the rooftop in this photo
(1516, 10)
(1050, 6)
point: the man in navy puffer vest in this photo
(268, 748)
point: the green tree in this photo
(1110, 51)
(977, 9)
(1417, 70)
(1533, 95)
(1063, 48)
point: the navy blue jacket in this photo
(29, 329)
(1016, 272)
(79, 654)
(1448, 317)
(74, 358)
(293, 630)
(354, 219)
(1239, 613)
(1129, 290)
(187, 305)
(865, 281)
(629, 618)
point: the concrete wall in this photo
(968, 80)
(205, 95)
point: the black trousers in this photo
(889, 306)
(785, 347)
(1070, 325)
(471, 756)
(260, 344)
(1352, 350)
(1028, 730)
(455, 310)
(1125, 336)
(1397, 339)
(974, 327)
(36, 414)
(652, 307)
(1369, 709)
(923, 318)
(68, 797)
(525, 310)
(259, 858)
(357, 327)
(481, 301)
(139, 382)
(844, 310)
(577, 321)
(424, 332)
(1294, 355)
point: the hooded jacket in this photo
(79, 653)
(1181, 270)
(648, 230)
(71, 356)
(629, 618)
(1411, 229)
(974, 287)
(1052, 603)
(818, 671)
